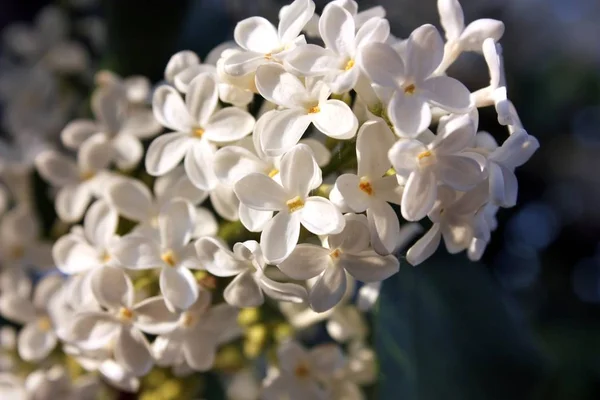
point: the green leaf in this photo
(444, 330)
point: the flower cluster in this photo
(271, 199)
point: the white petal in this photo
(337, 29)
(71, 202)
(112, 287)
(175, 224)
(294, 19)
(419, 195)
(288, 292)
(76, 132)
(179, 62)
(403, 156)
(179, 287)
(503, 186)
(100, 223)
(305, 262)
(260, 192)
(451, 18)
(95, 154)
(424, 52)
(460, 173)
(200, 356)
(335, 119)
(382, 64)
(321, 217)
(320, 153)
(205, 223)
(128, 151)
(228, 125)
(289, 354)
(348, 186)
(256, 34)
(280, 236)
(373, 141)
(244, 64)
(327, 359)
(56, 168)
(254, 220)
(184, 78)
(46, 288)
(516, 150)
(234, 162)
(132, 351)
(138, 252)
(410, 114)
(283, 131)
(313, 60)
(198, 164)
(152, 316)
(225, 202)
(374, 30)
(425, 247)
(384, 227)
(35, 343)
(355, 236)
(447, 93)
(328, 290)
(137, 88)
(132, 199)
(243, 291)
(118, 376)
(109, 105)
(278, 86)
(477, 31)
(202, 98)
(93, 330)
(170, 110)
(370, 266)
(217, 258)
(298, 171)
(16, 308)
(165, 152)
(455, 135)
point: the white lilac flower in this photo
(78, 182)
(247, 265)
(444, 160)
(37, 338)
(485, 223)
(263, 43)
(347, 251)
(299, 175)
(370, 189)
(409, 76)
(460, 38)
(200, 330)
(137, 88)
(304, 103)
(453, 217)
(359, 370)
(170, 251)
(301, 372)
(122, 322)
(123, 127)
(198, 126)
(337, 62)
(88, 247)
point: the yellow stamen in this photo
(125, 314)
(87, 175)
(423, 155)
(169, 258)
(314, 110)
(335, 254)
(349, 65)
(198, 132)
(44, 324)
(410, 89)
(187, 319)
(273, 172)
(295, 204)
(302, 371)
(365, 186)
(269, 56)
(106, 258)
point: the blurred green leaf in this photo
(444, 331)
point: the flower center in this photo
(349, 65)
(197, 132)
(314, 110)
(188, 319)
(105, 257)
(295, 204)
(425, 158)
(273, 172)
(44, 324)
(125, 314)
(87, 175)
(410, 89)
(269, 56)
(302, 371)
(365, 186)
(169, 258)
(335, 254)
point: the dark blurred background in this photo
(525, 322)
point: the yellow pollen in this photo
(335, 254)
(302, 371)
(44, 324)
(410, 89)
(295, 204)
(314, 110)
(125, 314)
(273, 172)
(365, 186)
(169, 258)
(198, 132)
(106, 258)
(423, 155)
(349, 65)
(269, 56)
(87, 175)
(187, 319)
